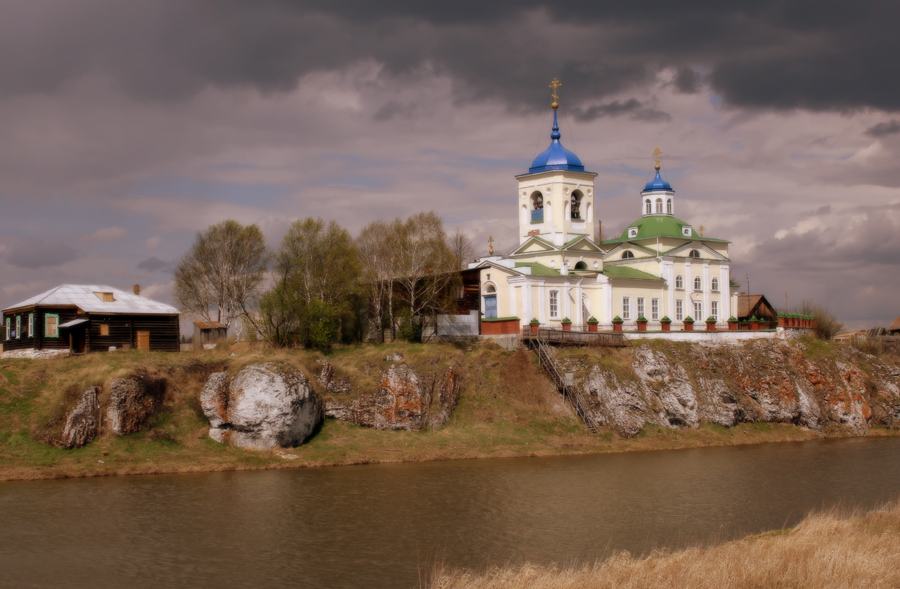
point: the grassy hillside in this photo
(507, 408)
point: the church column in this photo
(706, 307)
(542, 306)
(579, 304)
(527, 308)
(669, 275)
(567, 305)
(512, 301)
(689, 291)
(725, 291)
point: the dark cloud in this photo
(37, 253)
(882, 129)
(152, 264)
(768, 54)
(631, 107)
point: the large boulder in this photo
(261, 407)
(132, 401)
(82, 422)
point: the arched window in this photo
(581, 266)
(669, 206)
(490, 289)
(659, 205)
(714, 285)
(537, 201)
(575, 205)
(698, 284)
(648, 207)
(694, 254)
(679, 282)
(626, 255)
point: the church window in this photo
(698, 310)
(627, 254)
(694, 254)
(714, 285)
(640, 306)
(654, 309)
(648, 206)
(576, 205)
(581, 266)
(632, 232)
(659, 205)
(537, 206)
(698, 284)
(669, 206)
(626, 308)
(554, 304)
(714, 310)
(490, 289)
(679, 282)
(679, 310)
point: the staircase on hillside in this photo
(570, 391)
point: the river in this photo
(386, 525)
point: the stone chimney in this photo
(137, 289)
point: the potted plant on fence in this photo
(710, 323)
(534, 326)
(567, 324)
(732, 323)
(617, 323)
(754, 323)
(745, 325)
(666, 323)
(688, 323)
(782, 320)
(592, 324)
(642, 323)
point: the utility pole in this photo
(748, 284)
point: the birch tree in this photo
(218, 278)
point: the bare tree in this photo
(219, 277)
(379, 267)
(461, 247)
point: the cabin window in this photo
(31, 325)
(106, 297)
(640, 305)
(698, 284)
(714, 310)
(694, 254)
(669, 206)
(659, 205)
(654, 309)
(648, 206)
(104, 329)
(18, 326)
(679, 310)
(554, 304)
(626, 308)
(714, 285)
(679, 282)
(626, 255)
(51, 325)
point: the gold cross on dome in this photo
(701, 230)
(554, 84)
(656, 153)
(491, 244)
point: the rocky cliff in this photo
(836, 390)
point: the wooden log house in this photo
(90, 318)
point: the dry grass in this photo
(825, 550)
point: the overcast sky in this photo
(127, 127)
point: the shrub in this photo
(828, 325)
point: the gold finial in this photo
(491, 244)
(701, 230)
(554, 84)
(656, 153)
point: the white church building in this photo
(659, 267)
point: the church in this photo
(659, 268)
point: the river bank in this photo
(507, 408)
(825, 550)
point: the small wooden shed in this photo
(756, 306)
(207, 334)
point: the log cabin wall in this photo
(165, 332)
(38, 341)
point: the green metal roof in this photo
(629, 273)
(538, 269)
(659, 226)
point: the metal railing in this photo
(570, 390)
(577, 338)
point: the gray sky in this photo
(129, 126)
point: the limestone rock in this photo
(444, 400)
(82, 422)
(261, 407)
(394, 357)
(333, 385)
(132, 401)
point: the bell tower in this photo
(658, 196)
(555, 198)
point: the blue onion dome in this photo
(556, 157)
(657, 183)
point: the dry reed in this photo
(825, 550)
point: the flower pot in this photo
(592, 327)
(689, 327)
(666, 326)
(710, 326)
(782, 321)
(732, 326)
(642, 325)
(754, 326)
(534, 328)
(567, 326)
(617, 327)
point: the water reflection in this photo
(383, 525)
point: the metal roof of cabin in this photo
(83, 297)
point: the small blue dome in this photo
(657, 184)
(556, 157)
